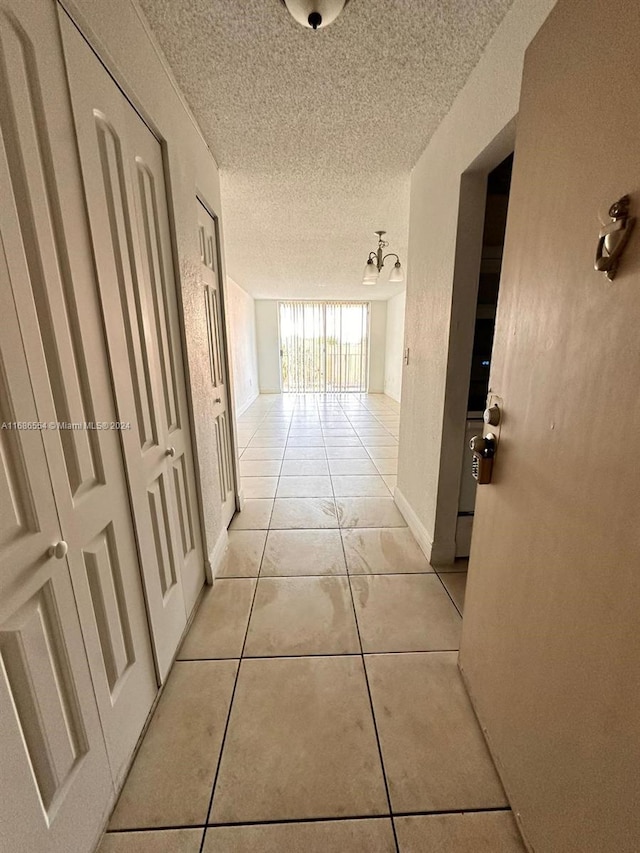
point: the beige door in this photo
(48, 251)
(56, 781)
(123, 174)
(213, 307)
(550, 644)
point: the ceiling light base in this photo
(314, 14)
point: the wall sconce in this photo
(376, 262)
(315, 14)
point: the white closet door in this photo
(213, 307)
(56, 781)
(48, 251)
(123, 174)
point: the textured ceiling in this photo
(316, 133)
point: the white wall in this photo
(484, 107)
(377, 345)
(268, 345)
(241, 332)
(394, 350)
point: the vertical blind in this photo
(324, 346)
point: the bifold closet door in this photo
(123, 174)
(213, 308)
(48, 256)
(56, 780)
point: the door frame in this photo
(200, 197)
(471, 212)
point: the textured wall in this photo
(241, 331)
(394, 346)
(486, 104)
(117, 33)
(377, 345)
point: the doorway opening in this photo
(495, 223)
(324, 347)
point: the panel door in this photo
(48, 251)
(213, 308)
(123, 175)
(56, 780)
(550, 638)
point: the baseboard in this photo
(216, 555)
(415, 525)
(392, 396)
(243, 408)
(443, 554)
(270, 391)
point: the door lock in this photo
(613, 238)
(492, 415)
(484, 450)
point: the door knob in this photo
(483, 445)
(483, 448)
(171, 451)
(59, 550)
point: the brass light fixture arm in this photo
(377, 256)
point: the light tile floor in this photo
(316, 704)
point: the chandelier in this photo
(376, 261)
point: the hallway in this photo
(317, 691)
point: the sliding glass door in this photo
(324, 346)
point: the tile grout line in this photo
(333, 574)
(444, 586)
(235, 683)
(242, 654)
(330, 819)
(373, 714)
(273, 505)
(231, 700)
(322, 654)
(343, 818)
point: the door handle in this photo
(483, 448)
(59, 550)
(171, 451)
(613, 238)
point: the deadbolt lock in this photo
(492, 415)
(483, 448)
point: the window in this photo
(324, 346)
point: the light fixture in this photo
(315, 14)
(376, 261)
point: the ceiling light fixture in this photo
(376, 262)
(315, 14)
